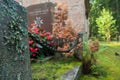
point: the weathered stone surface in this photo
(14, 52)
(43, 11)
(73, 74)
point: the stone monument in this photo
(14, 49)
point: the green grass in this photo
(109, 62)
(53, 68)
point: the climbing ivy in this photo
(15, 31)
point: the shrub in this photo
(89, 58)
(39, 49)
(106, 25)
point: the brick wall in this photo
(76, 11)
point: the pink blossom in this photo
(33, 50)
(34, 55)
(42, 35)
(47, 33)
(49, 37)
(36, 30)
(30, 41)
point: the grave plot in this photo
(63, 40)
(62, 43)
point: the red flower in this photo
(36, 49)
(55, 44)
(47, 33)
(36, 30)
(33, 50)
(49, 37)
(34, 55)
(42, 35)
(30, 41)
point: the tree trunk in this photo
(86, 66)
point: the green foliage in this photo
(94, 13)
(96, 7)
(86, 52)
(16, 34)
(97, 70)
(106, 24)
(16, 27)
(89, 57)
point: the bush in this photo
(106, 25)
(89, 58)
(39, 42)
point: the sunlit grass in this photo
(108, 60)
(53, 68)
(105, 57)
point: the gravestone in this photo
(14, 51)
(43, 11)
(73, 74)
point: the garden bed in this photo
(54, 69)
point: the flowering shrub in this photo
(39, 50)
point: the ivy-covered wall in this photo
(14, 52)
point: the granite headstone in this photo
(42, 11)
(14, 50)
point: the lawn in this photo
(108, 65)
(53, 69)
(108, 62)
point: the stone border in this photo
(73, 74)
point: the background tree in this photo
(96, 7)
(106, 24)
